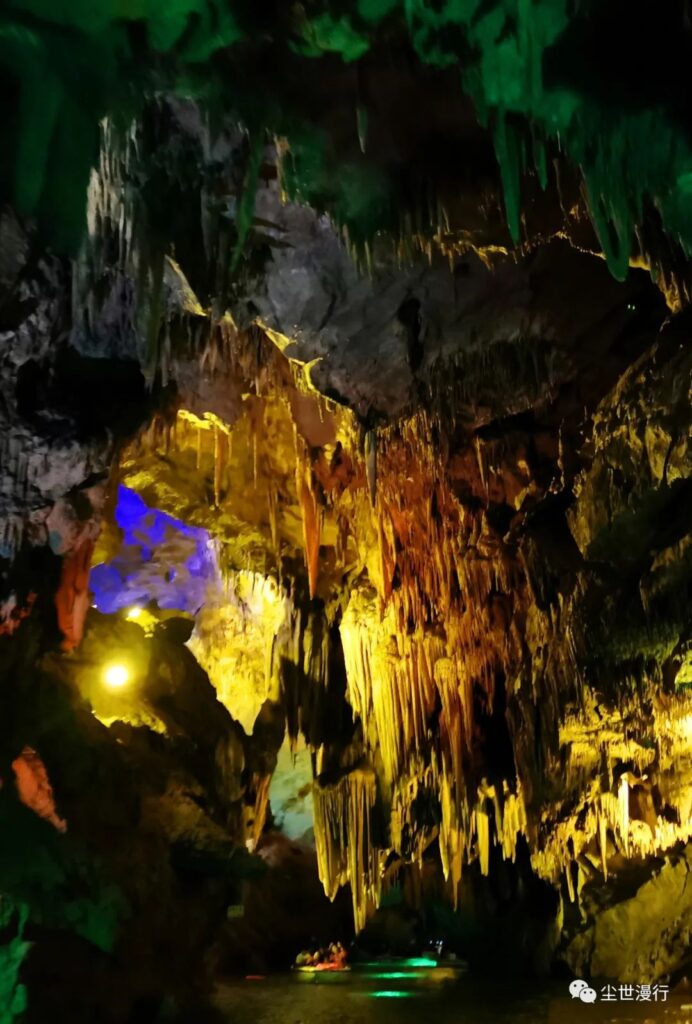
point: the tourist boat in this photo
(326, 968)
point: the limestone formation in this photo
(345, 414)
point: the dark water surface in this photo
(428, 996)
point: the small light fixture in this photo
(134, 613)
(116, 676)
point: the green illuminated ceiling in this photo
(533, 69)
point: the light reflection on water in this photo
(432, 996)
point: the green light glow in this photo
(391, 993)
(396, 964)
(71, 63)
(397, 974)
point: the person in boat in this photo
(337, 954)
(308, 959)
(334, 957)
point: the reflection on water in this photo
(394, 993)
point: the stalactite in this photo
(371, 464)
(272, 502)
(428, 642)
(444, 622)
(452, 839)
(198, 449)
(514, 822)
(387, 542)
(312, 519)
(623, 807)
(343, 838)
(482, 824)
(34, 788)
(217, 468)
(261, 807)
(362, 125)
(246, 207)
(72, 597)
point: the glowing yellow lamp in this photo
(116, 676)
(134, 614)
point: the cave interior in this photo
(345, 497)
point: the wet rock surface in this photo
(656, 915)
